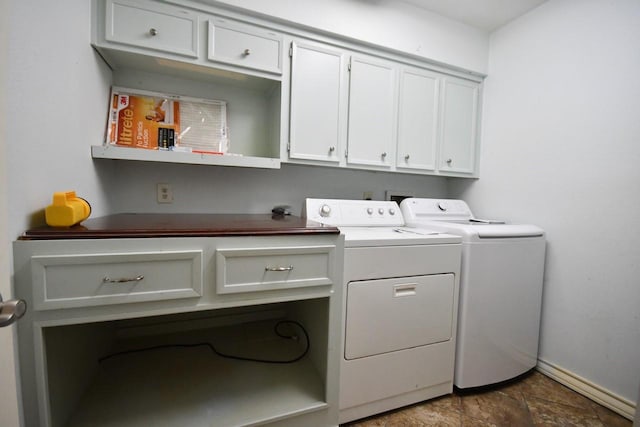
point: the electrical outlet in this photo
(164, 193)
(367, 195)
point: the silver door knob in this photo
(153, 32)
(11, 310)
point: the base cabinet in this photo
(261, 356)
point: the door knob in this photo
(11, 310)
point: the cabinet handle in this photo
(332, 149)
(449, 162)
(107, 279)
(406, 158)
(247, 52)
(384, 155)
(289, 268)
(153, 32)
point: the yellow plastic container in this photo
(67, 210)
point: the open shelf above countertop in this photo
(125, 153)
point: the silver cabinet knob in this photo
(325, 210)
(153, 32)
(332, 149)
(247, 52)
(449, 162)
(11, 310)
(384, 155)
(406, 158)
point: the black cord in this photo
(228, 356)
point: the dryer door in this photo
(387, 315)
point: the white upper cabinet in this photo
(372, 112)
(418, 120)
(459, 126)
(245, 46)
(318, 103)
(338, 102)
(152, 26)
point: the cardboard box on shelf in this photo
(151, 120)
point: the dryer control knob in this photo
(381, 211)
(325, 210)
(370, 211)
(392, 211)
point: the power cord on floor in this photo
(276, 330)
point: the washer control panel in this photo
(353, 212)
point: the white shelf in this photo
(124, 153)
(194, 387)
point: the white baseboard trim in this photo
(588, 389)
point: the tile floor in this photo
(532, 400)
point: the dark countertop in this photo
(182, 225)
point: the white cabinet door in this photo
(318, 103)
(372, 112)
(417, 120)
(459, 125)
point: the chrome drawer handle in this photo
(107, 279)
(279, 268)
(247, 52)
(153, 32)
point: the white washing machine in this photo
(399, 310)
(500, 290)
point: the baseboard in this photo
(588, 389)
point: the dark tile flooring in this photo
(532, 400)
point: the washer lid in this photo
(394, 236)
(481, 230)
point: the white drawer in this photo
(152, 26)
(245, 46)
(79, 280)
(261, 269)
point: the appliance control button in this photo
(442, 206)
(325, 210)
(392, 211)
(370, 211)
(381, 211)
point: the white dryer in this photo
(400, 305)
(500, 290)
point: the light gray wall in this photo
(8, 401)
(390, 23)
(561, 149)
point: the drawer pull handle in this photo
(247, 52)
(289, 268)
(108, 279)
(153, 32)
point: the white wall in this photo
(8, 401)
(58, 91)
(561, 148)
(389, 23)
